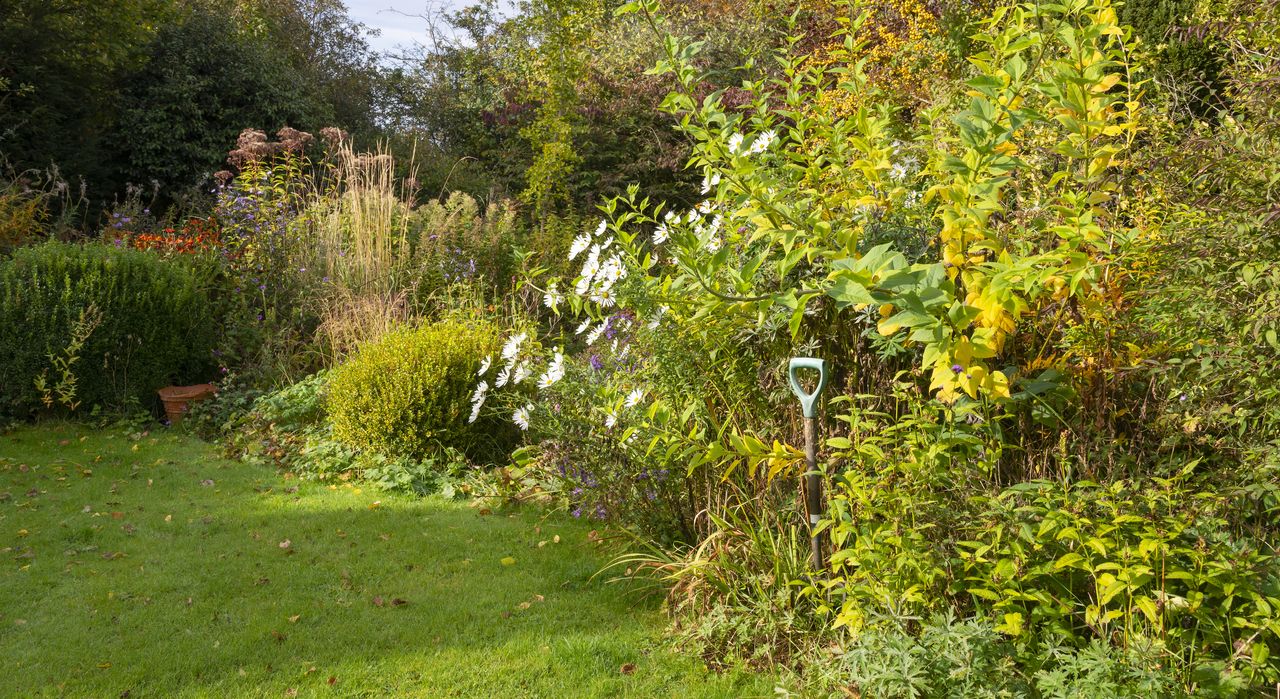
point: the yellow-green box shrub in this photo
(408, 393)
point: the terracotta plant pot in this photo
(177, 398)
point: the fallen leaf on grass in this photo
(628, 668)
(294, 619)
(104, 666)
(262, 581)
(332, 680)
(168, 518)
(555, 539)
(208, 483)
(508, 561)
(398, 602)
(278, 636)
(377, 601)
(291, 692)
(285, 544)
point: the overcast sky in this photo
(389, 17)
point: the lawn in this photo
(145, 565)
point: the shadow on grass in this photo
(162, 570)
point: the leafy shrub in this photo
(948, 658)
(290, 428)
(407, 394)
(955, 659)
(155, 326)
(454, 240)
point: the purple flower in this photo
(577, 512)
(957, 368)
(596, 364)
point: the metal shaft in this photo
(813, 491)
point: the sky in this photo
(396, 21)
(388, 16)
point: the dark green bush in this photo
(154, 328)
(408, 394)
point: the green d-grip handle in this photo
(808, 401)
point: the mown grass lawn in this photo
(150, 567)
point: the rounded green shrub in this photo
(144, 322)
(408, 393)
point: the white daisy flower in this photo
(595, 334)
(481, 391)
(670, 216)
(485, 364)
(898, 171)
(612, 270)
(591, 265)
(554, 372)
(709, 182)
(605, 245)
(602, 296)
(552, 297)
(579, 244)
(705, 206)
(512, 348)
(714, 243)
(610, 420)
(762, 142)
(657, 317)
(584, 283)
(521, 416)
(582, 328)
(735, 142)
(634, 398)
(475, 411)
(503, 377)
(660, 234)
(600, 229)
(522, 373)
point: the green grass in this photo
(151, 567)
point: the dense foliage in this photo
(1035, 244)
(406, 393)
(97, 325)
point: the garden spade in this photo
(812, 479)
